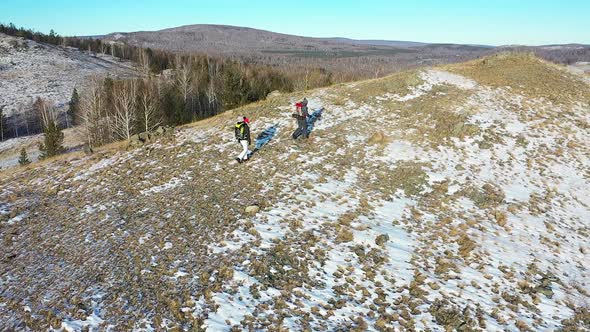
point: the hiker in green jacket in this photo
(242, 134)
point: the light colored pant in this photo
(244, 154)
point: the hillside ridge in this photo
(440, 198)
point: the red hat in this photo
(298, 104)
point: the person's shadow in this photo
(264, 137)
(317, 114)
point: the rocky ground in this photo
(449, 198)
(29, 70)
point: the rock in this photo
(145, 137)
(168, 131)
(381, 239)
(134, 140)
(253, 209)
(275, 93)
(458, 128)
(160, 131)
(546, 291)
(88, 149)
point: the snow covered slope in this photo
(29, 70)
(448, 198)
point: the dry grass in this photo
(525, 74)
(579, 322)
(407, 175)
(344, 235)
(436, 116)
(488, 196)
(366, 91)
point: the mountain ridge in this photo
(348, 40)
(266, 34)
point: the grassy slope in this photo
(398, 222)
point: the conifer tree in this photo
(53, 142)
(24, 158)
(74, 109)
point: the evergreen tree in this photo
(53, 143)
(24, 158)
(74, 109)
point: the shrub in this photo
(24, 158)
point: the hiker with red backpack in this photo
(242, 134)
(301, 114)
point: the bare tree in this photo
(213, 69)
(148, 106)
(103, 47)
(91, 109)
(123, 121)
(46, 113)
(144, 62)
(183, 78)
(377, 70)
(39, 116)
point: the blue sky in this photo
(492, 22)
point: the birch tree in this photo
(183, 78)
(148, 106)
(103, 48)
(213, 71)
(91, 109)
(45, 112)
(144, 62)
(124, 118)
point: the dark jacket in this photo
(304, 110)
(242, 132)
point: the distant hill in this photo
(392, 43)
(232, 39)
(355, 59)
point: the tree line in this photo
(159, 60)
(171, 89)
(196, 88)
(112, 109)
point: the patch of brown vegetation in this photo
(526, 74)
